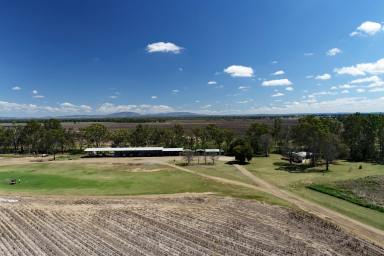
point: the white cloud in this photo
(333, 88)
(65, 107)
(239, 71)
(348, 105)
(381, 89)
(278, 82)
(346, 86)
(289, 88)
(38, 96)
(345, 91)
(164, 47)
(243, 88)
(278, 94)
(35, 92)
(113, 97)
(360, 90)
(154, 97)
(175, 91)
(371, 79)
(361, 69)
(323, 77)
(367, 28)
(274, 62)
(278, 73)
(212, 82)
(309, 76)
(308, 54)
(16, 88)
(206, 106)
(243, 101)
(143, 109)
(72, 108)
(333, 52)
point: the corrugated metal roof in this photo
(172, 149)
(124, 149)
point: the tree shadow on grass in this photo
(236, 162)
(296, 168)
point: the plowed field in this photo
(167, 225)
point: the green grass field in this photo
(221, 169)
(272, 170)
(53, 178)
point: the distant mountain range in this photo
(112, 115)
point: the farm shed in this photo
(209, 151)
(134, 151)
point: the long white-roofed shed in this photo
(134, 151)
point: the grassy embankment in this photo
(277, 172)
(70, 178)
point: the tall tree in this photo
(254, 133)
(95, 134)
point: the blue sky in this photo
(216, 57)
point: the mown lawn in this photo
(275, 171)
(221, 169)
(120, 179)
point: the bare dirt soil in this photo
(188, 224)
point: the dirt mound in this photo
(170, 225)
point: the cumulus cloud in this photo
(212, 82)
(175, 91)
(333, 52)
(164, 47)
(278, 94)
(362, 69)
(360, 90)
(277, 82)
(68, 107)
(65, 107)
(367, 28)
(333, 88)
(35, 92)
(243, 88)
(345, 91)
(239, 71)
(143, 109)
(346, 86)
(289, 88)
(381, 89)
(154, 97)
(348, 105)
(323, 77)
(278, 73)
(371, 79)
(16, 88)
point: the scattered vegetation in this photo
(367, 191)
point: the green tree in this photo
(95, 134)
(241, 150)
(120, 137)
(254, 133)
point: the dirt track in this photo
(169, 225)
(359, 229)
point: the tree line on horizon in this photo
(354, 137)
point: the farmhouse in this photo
(135, 151)
(301, 157)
